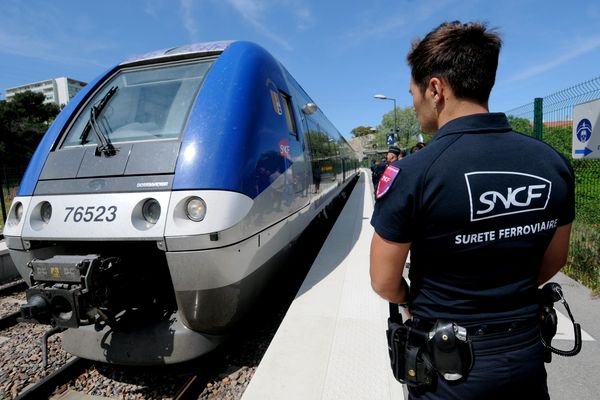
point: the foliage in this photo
(522, 125)
(584, 256)
(362, 131)
(407, 125)
(23, 121)
(560, 138)
(408, 129)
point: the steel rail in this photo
(44, 388)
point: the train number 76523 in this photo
(91, 214)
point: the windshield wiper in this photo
(104, 144)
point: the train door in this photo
(298, 172)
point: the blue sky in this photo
(341, 52)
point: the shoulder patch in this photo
(386, 180)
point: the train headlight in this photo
(151, 211)
(195, 209)
(46, 212)
(18, 212)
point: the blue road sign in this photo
(390, 139)
(583, 152)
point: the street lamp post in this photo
(383, 97)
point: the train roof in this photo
(194, 49)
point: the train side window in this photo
(289, 116)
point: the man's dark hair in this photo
(463, 55)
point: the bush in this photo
(584, 256)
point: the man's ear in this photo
(436, 88)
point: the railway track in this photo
(16, 286)
(47, 385)
(9, 320)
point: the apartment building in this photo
(58, 91)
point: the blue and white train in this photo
(162, 197)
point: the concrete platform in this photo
(331, 343)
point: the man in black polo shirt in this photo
(486, 213)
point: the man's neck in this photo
(456, 108)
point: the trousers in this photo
(513, 374)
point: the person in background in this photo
(484, 225)
(417, 147)
(392, 155)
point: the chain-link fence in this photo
(551, 120)
(10, 177)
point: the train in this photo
(164, 196)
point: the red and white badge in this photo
(386, 180)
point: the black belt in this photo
(495, 338)
(498, 328)
(484, 328)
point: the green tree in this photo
(23, 121)
(407, 124)
(361, 131)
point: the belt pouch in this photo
(408, 353)
(419, 369)
(397, 335)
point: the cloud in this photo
(378, 23)
(305, 19)
(60, 52)
(253, 11)
(577, 50)
(42, 34)
(189, 22)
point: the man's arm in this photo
(556, 254)
(387, 265)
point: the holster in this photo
(416, 355)
(451, 350)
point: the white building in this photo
(58, 91)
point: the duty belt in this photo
(417, 354)
(483, 328)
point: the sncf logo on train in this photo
(497, 193)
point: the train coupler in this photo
(68, 291)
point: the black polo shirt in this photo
(480, 205)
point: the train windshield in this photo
(139, 104)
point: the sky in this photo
(341, 52)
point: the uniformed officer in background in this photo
(485, 212)
(394, 153)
